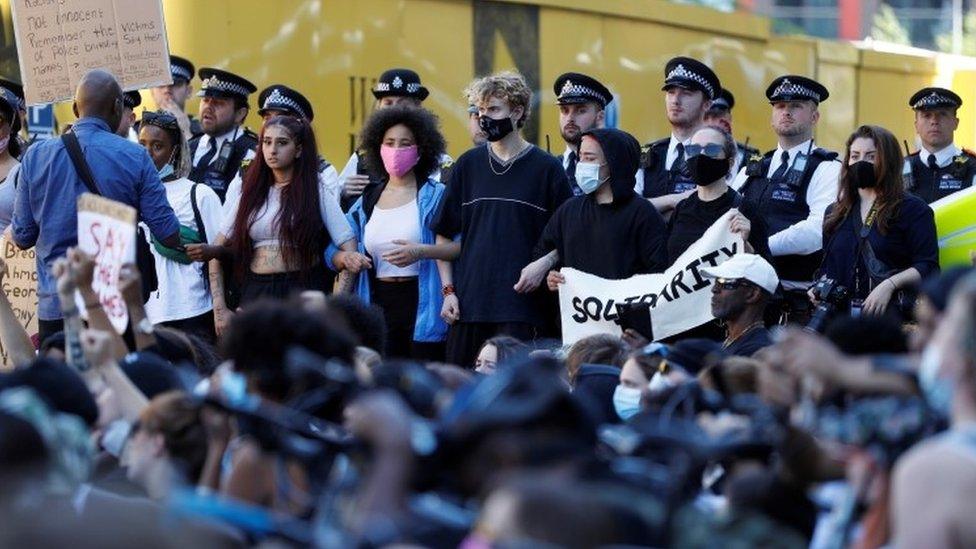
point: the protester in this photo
(10, 151)
(879, 241)
(710, 156)
(596, 349)
(49, 181)
(402, 145)
(741, 290)
(499, 214)
(720, 114)
(498, 350)
(282, 223)
(182, 299)
(606, 232)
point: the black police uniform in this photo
(782, 197)
(218, 169)
(573, 88)
(923, 176)
(659, 178)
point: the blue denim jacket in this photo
(429, 328)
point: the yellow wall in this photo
(332, 50)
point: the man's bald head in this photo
(99, 95)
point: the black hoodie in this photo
(615, 240)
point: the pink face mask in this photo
(399, 161)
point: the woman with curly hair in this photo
(402, 146)
(281, 224)
(878, 238)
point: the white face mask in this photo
(588, 176)
(938, 390)
(626, 401)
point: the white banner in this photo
(107, 232)
(680, 298)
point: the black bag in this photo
(144, 257)
(902, 300)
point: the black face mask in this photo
(862, 174)
(706, 170)
(495, 130)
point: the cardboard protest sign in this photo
(680, 298)
(20, 285)
(59, 40)
(107, 232)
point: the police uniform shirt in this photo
(942, 157)
(204, 145)
(668, 161)
(804, 237)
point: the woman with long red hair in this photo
(879, 240)
(279, 229)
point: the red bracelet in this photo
(447, 290)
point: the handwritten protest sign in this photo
(680, 298)
(59, 40)
(107, 232)
(20, 285)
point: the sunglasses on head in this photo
(712, 150)
(731, 283)
(160, 119)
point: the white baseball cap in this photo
(749, 267)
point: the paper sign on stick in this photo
(107, 232)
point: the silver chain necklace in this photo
(515, 157)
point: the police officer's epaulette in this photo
(646, 157)
(754, 163)
(961, 163)
(824, 154)
(244, 164)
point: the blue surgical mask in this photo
(588, 176)
(626, 401)
(166, 171)
(938, 390)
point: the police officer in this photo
(939, 168)
(172, 97)
(690, 87)
(218, 153)
(130, 100)
(793, 185)
(582, 104)
(394, 87)
(720, 114)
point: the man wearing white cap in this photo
(742, 287)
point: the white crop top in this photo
(385, 226)
(264, 226)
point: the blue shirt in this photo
(45, 210)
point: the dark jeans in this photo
(283, 285)
(201, 326)
(399, 301)
(465, 339)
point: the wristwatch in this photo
(145, 327)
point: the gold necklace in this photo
(749, 328)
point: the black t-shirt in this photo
(750, 342)
(692, 217)
(500, 211)
(616, 240)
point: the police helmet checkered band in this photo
(178, 71)
(276, 100)
(791, 89)
(681, 72)
(214, 83)
(382, 86)
(577, 90)
(934, 99)
(413, 87)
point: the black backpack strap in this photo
(70, 141)
(736, 199)
(196, 214)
